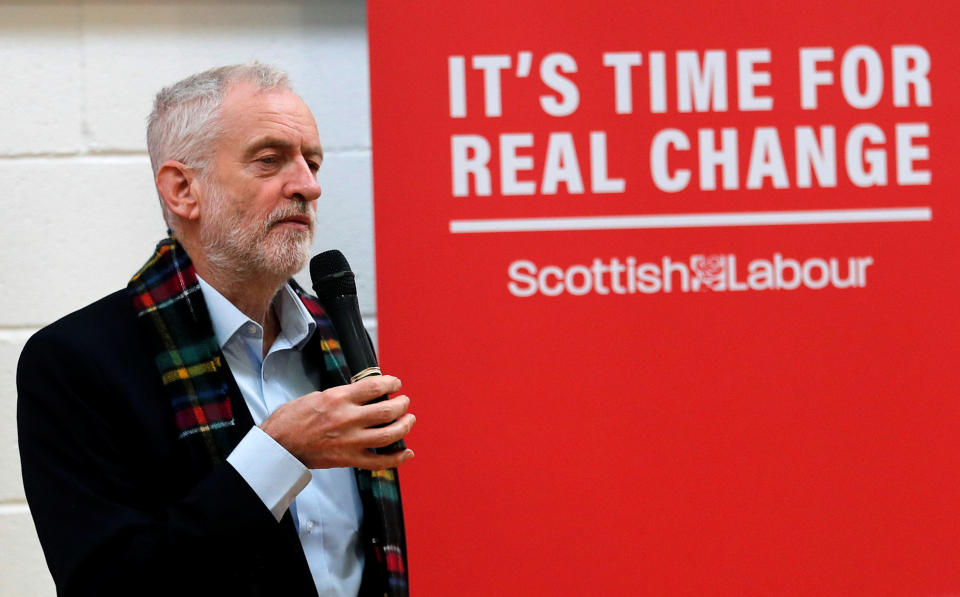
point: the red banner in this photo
(669, 285)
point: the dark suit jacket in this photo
(123, 507)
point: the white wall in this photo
(78, 214)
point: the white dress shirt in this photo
(324, 503)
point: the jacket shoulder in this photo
(100, 341)
(87, 328)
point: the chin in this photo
(289, 256)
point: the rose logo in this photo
(709, 272)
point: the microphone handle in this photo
(357, 349)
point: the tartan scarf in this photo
(174, 316)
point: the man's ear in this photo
(175, 184)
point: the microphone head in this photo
(331, 275)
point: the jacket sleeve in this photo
(94, 479)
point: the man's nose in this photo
(303, 184)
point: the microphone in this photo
(334, 285)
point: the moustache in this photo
(299, 212)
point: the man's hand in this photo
(333, 428)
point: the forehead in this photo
(249, 113)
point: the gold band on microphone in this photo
(368, 372)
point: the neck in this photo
(252, 292)
(254, 300)
(251, 296)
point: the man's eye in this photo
(268, 160)
(314, 167)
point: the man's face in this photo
(259, 199)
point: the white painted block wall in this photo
(78, 213)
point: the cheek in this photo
(268, 193)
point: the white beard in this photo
(246, 248)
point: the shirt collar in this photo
(296, 323)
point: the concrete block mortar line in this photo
(14, 508)
(21, 333)
(99, 155)
(125, 153)
(18, 334)
(86, 134)
(352, 151)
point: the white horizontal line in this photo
(348, 150)
(14, 509)
(16, 335)
(102, 154)
(705, 220)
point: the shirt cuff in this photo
(274, 474)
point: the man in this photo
(196, 432)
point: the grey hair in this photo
(183, 125)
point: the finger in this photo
(379, 437)
(369, 388)
(379, 462)
(384, 411)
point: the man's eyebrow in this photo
(278, 143)
(314, 151)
